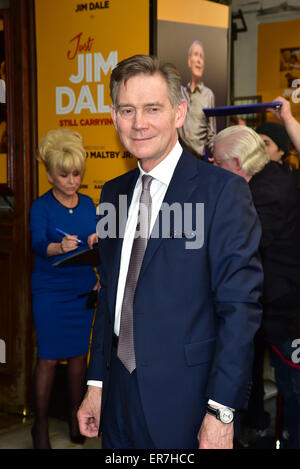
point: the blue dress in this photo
(63, 322)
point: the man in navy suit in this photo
(196, 304)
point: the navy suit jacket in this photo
(195, 310)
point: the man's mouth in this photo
(141, 139)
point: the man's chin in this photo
(198, 74)
(142, 156)
(141, 152)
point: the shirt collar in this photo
(163, 172)
(199, 87)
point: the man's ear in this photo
(113, 114)
(181, 113)
(236, 164)
(189, 61)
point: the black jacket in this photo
(277, 202)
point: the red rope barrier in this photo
(286, 361)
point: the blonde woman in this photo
(62, 317)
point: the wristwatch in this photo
(224, 414)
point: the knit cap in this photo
(277, 133)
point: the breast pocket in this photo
(198, 353)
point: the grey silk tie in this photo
(126, 341)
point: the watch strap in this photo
(212, 411)
(219, 413)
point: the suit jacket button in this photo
(107, 365)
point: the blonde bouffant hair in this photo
(62, 149)
(239, 141)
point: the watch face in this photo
(226, 415)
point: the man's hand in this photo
(284, 113)
(292, 126)
(214, 434)
(89, 412)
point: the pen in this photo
(67, 234)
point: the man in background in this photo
(276, 140)
(198, 131)
(242, 151)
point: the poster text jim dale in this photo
(89, 68)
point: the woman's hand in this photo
(92, 239)
(69, 243)
(97, 286)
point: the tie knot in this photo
(146, 181)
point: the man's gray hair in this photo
(146, 65)
(239, 141)
(195, 43)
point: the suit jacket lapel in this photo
(182, 185)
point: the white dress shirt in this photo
(162, 175)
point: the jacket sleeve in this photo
(237, 281)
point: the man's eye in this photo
(152, 110)
(126, 112)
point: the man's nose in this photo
(140, 120)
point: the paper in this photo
(86, 257)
